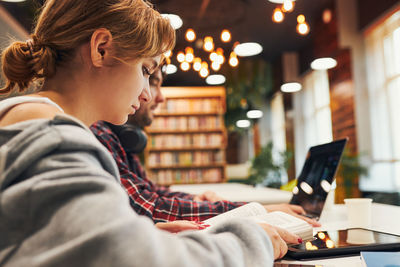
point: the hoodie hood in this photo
(24, 143)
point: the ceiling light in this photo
(291, 87)
(171, 69)
(279, 1)
(225, 36)
(254, 114)
(243, 123)
(215, 79)
(248, 49)
(190, 35)
(13, 1)
(175, 20)
(278, 15)
(323, 63)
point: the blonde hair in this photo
(137, 29)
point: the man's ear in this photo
(100, 47)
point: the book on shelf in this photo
(380, 259)
(256, 212)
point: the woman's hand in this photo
(294, 210)
(280, 238)
(181, 225)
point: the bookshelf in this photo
(187, 138)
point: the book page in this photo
(249, 210)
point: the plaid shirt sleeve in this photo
(137, 168)
(147, 202)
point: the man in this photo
(157, 202)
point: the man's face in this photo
(145, 115)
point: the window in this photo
(383, 72)
(278, 133)
(312, 115)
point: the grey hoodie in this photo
(61, 205)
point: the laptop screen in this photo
(317, 175)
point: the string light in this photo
(215, 66)
(204, 72)
(225, 36)
(185, 66)
(197, 64)
(278, 15)
(233, 61)
(287, 6)
(168, 53)
(189, 54)
(208, 44)
(180, 57)
(190, 35)
(213, 56)
(302, 26)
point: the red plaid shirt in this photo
(147, 198)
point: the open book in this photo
(256, 212)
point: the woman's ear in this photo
(100, 47)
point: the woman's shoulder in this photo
(18, 109)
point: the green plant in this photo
(267, 169)
(350, 169)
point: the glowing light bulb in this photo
(301, 18)
(215, 66)
(204, 72)
(190, 35)
(287, 6)
(185, 66)
(233, 61)
(213, 56)
(278, 15)
(197, 64)
(180, 57)
(189, 54)
(225, 36)
(168, 53)
(208, 44)
(220, 59)
(303, 28)
(204, 65)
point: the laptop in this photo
(317, 176)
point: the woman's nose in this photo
(145, 96)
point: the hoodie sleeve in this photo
(76, 214)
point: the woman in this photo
(61, 204)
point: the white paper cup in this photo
(358, 212)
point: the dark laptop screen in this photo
(317, 175)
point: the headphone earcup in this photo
(133, 139)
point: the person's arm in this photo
(145, 201)
(76, 214)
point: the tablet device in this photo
(344, 242)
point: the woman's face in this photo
(128, 85)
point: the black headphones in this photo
(132, 138)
